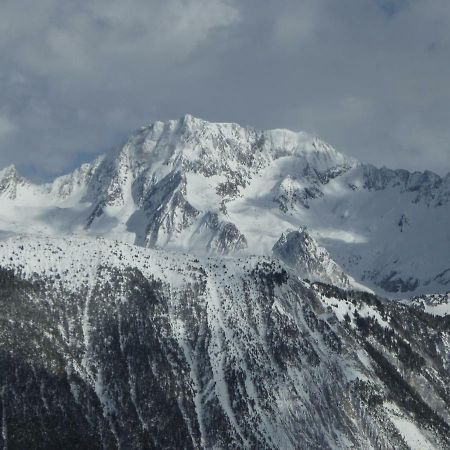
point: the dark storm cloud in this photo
(369, 76)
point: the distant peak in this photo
(9, 171)
(189, 118)
(192, 121)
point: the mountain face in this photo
(108, 345)
(207, 188)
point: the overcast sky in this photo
(371, 77)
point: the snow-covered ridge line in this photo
(70, 258)
(75, 260)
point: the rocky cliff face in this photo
(299, 251)
(108, 345)
(10, 182)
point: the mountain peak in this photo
(9, 171)
(195, 140)
(189, 119)
(299, 250)
(9, 181)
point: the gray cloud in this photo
(369, 76)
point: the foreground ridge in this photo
(109, 345)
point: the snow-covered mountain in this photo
(209, 286)
(203, 187)
(109, 345)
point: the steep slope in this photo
(108, 345)
(210, 188)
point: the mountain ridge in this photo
(179, 183)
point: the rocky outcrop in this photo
(9, 182)
(298, 250)
(218, 236)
